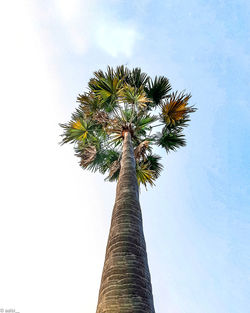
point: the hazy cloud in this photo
(116, 39)
(76, 18)
(86, 23)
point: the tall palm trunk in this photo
(125, 285)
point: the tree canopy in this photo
(121, 100)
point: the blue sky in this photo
(55, 217)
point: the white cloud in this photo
(116, 39)
(76, 18)
(88, 22)
(68, 10)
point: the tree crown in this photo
(121, 100)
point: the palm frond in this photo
(76, 130)
(137, 78)
(136, 96)
(122, 72)
(109, 157)
(176, 108)
(141, 149)
(142, 124)
(145, 120)
(144, 175)
(171, 140)
(148, 170)
(125, 115)
(158, 89)
(153, 164)
(89, 104)
(87, 155)
(117, 138)
(101, 117)
(107, 88)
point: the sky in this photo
(55, 217)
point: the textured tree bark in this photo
(126, 285)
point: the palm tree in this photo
(113, 131)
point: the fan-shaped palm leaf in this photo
(135, 96)
(142, 124)
(89, 104)
(153, 163)
(122, 72)
(78, 130)
(176, 108)
(144, 175)
(158, 89)
(137, 78)
(171, 140)
(107, 87)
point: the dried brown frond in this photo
(141, 149)
(115, 166)
(114, 127)
(87, 155)
(101, 117)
